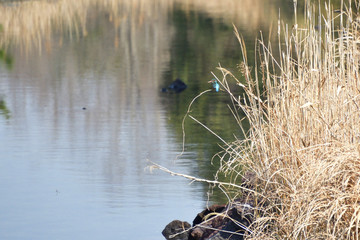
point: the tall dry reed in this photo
(303, 147)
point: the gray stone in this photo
(175, 227)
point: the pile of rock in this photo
(218, 222)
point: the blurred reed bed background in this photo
(250, 15)
(31, 23)
(27, 24)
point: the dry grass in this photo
(303, 147)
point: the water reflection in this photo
(87, 111)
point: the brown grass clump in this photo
(303, 146)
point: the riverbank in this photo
(303, 146)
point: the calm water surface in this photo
(80, 118)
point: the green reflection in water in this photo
(7, 59)
(199, 44)
(4, 109)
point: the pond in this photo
(82, 112)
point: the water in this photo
(82, 115)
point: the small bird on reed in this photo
(215, 84)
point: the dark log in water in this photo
(177, 86)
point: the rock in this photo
(224, 222)
(175, 227)
(220, 222)
(212, 209)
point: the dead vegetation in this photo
(303, 146)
